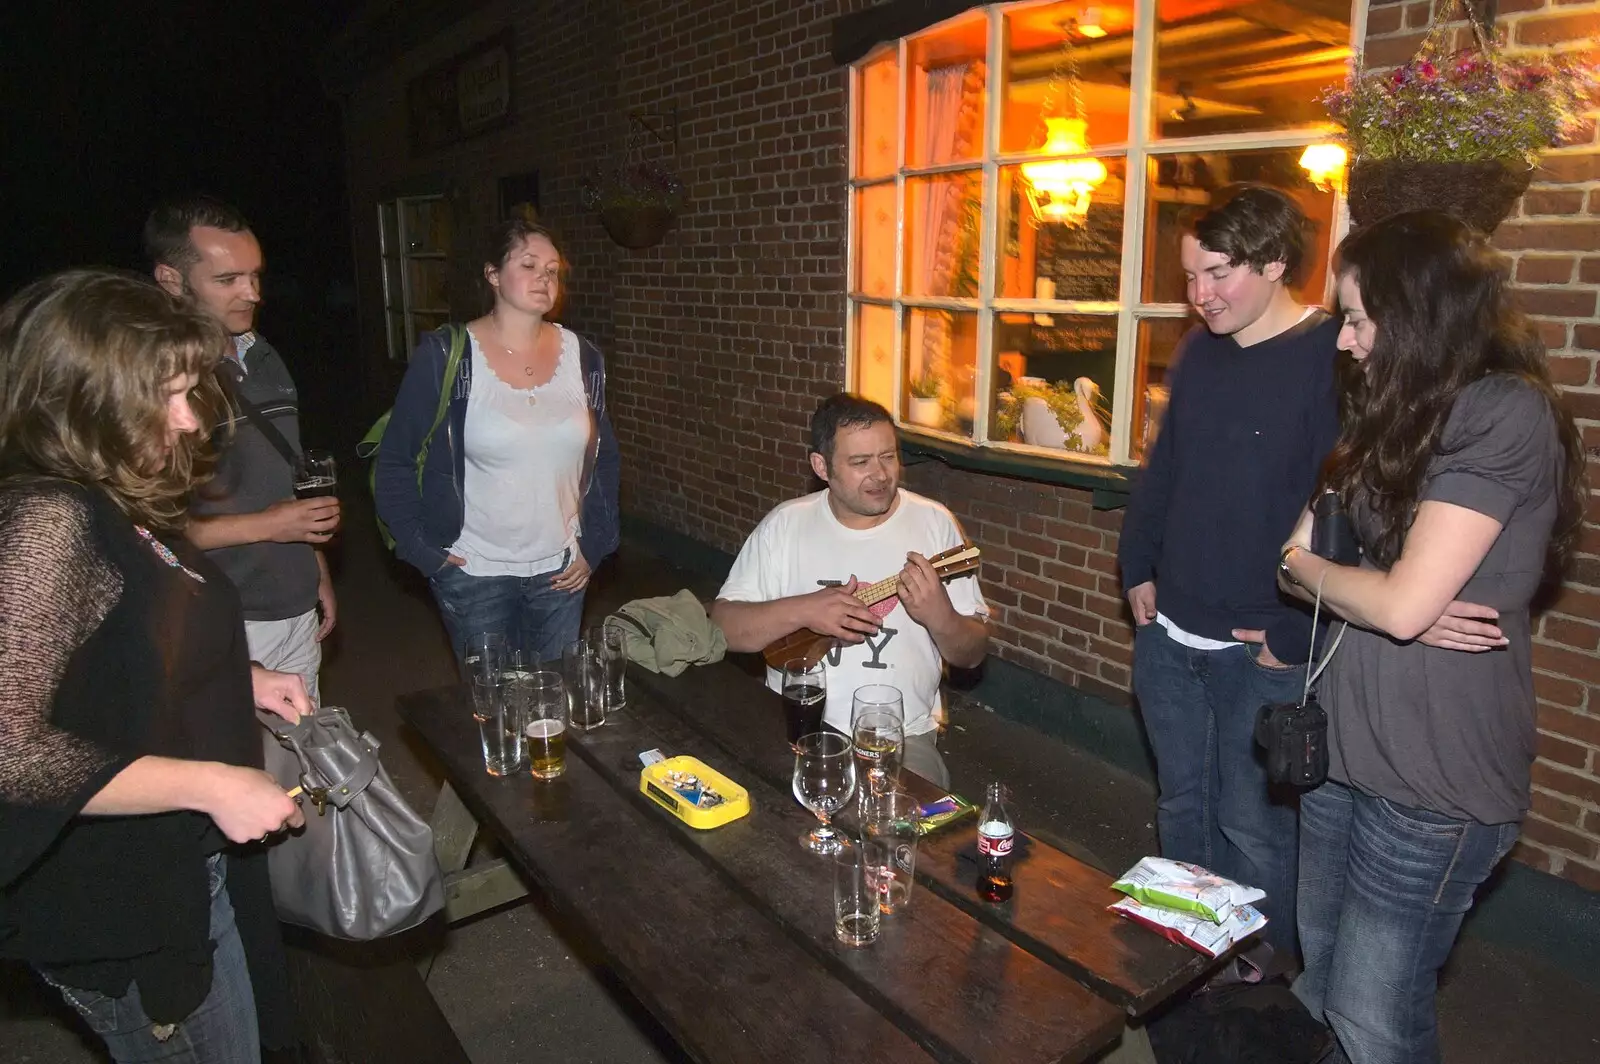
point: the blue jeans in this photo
(1383, 888)
(222, 1030)
(1215, 807)
(537, 620)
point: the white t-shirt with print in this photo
(801, 542)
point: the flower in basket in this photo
(1458, 132)
(635, 186)
(1475, 106)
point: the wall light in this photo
(1324, 164)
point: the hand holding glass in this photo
(315, 475)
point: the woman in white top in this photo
(517, 500)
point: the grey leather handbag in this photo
(363, 867)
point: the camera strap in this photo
(1327, 656)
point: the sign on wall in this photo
(466, 95)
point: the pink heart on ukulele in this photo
(882, 609)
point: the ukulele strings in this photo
(875, 593)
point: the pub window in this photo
(414, 242)
(1000, 303)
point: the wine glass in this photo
(824, 782)
(877, 724)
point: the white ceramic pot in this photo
(924, 412)
(1039, 425)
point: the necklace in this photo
(527, 370)
(164, 552)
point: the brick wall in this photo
(721, 340)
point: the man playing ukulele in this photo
(800, 568)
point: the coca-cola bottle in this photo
(995, 834)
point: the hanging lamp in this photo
(1060, 189)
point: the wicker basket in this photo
(1480, 194)
(634, 226)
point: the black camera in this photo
(1295, 738)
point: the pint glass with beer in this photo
(546, 725)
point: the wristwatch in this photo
(1283, 564)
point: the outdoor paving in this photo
(515, 988)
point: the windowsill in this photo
(1111, 485)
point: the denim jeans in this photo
(1383, 889)
(537, 620)
(222, 1030)
(1216, 808)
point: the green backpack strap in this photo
(458, 344)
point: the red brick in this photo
(1584, 788)
(1577, 726)
(1589, 268)
(1584, 406)
(1548, 236)
(1561, 752)
(1381, 20)
(1418, 15)
(1586, 337)
(1558, 690)
(1556, 302)
(1552, 201)
(1560, 838)
(1573, 371)
(1578, 666)
(1392, 51)
(1545, 269)
(1557, 810)
(1570, 633)
(1532, 856)
(1512, 7)
(1568, 168)
(1585, 875)
(1557, 29)
(1553, 334)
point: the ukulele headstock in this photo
(955, 561)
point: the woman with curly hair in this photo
(130, 778)
(1464, 480)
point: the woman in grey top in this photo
(1464, 481)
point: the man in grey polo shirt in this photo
(247, 517)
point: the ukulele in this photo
(811, 646)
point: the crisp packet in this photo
(1189, 929)
(1185, 887)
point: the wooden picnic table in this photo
(727, 935)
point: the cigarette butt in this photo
(297, 792)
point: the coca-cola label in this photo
(994, 845)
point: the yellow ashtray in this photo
(694, 792)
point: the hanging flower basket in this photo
(1482, 194)
(635, 225)
(637, 203)
(1459, 132)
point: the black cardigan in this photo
(108, 653)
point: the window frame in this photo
(405, 305)
(1141, 147)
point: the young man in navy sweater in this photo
(1252, 415)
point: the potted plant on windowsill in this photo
(1457, 132)
(1065, 415)
(637, 202)
(925, 407)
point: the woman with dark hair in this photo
(129, 757)
(517, 501)
(1464, 480)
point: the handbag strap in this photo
(253, 414)
(458, 344)
(320, 789)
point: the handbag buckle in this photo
(318, 796)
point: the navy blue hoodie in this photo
(1238, 455)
